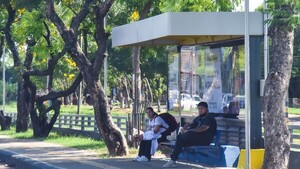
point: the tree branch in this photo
(54, 95)
(54, 18)
(146, 9)
(51, 64)
(76, 21)
(69, 36)
(8, 35)
(101, 36)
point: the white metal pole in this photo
(105, 66)
(266, 44)
(179, 84)
(3, 80)
(105, 76)
(79, 100)
(247, 87)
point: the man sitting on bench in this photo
(200, 132)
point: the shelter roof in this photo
(187, 28)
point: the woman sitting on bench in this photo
(148, 140)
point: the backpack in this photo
(170, 120)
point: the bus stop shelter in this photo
(194, 28)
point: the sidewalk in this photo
(33, 154)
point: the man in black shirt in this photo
(200, 132)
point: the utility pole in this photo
(3, 80)
(79, 100)
(247, 88)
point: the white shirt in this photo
(150, 135)
(158, 121)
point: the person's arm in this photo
(158, 123)
(184, 128)
(200, 129)
(156, 128)
(205, 126)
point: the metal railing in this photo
(86, 122)
(81, 122)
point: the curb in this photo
(23, 162)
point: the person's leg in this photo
(145, 149)
(181, 141)
(199, 140)
(142, 148)
(163, 137)
(148, 149)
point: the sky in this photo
(254, 4)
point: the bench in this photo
(214, 154)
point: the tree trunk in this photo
(158, 104)
(41, 124)
(112, 135)
(5, 121)
(22, 108)
(124, 92)
(277, 138)
(148, 93)
(90, 69)
(22, 114)
(137, 85)
(137, 72)
(128, 100)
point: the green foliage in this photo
(3, 16)
(154, 61)
(24, 28)
(65, 73)
(158, 85)
(11, 92)
(28, 4)
(296, 61)
(284, 12)
(4, 2)
(199, 5)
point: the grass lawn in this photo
(294, 110)
(72, 109)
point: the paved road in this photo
(34, 154)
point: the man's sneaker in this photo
(142, 158)
(136, 158)
(170, 164)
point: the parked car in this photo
(186, 101)
(195, 100)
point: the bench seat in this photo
(213, 154)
